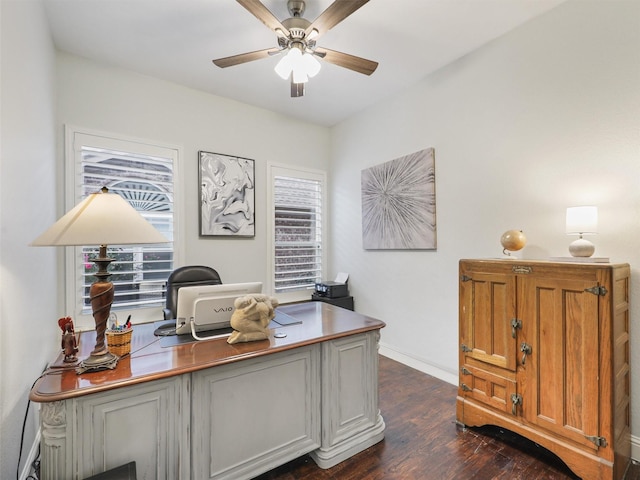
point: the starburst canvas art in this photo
(399, 203)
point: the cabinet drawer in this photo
(486, 387)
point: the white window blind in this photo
(138, 272)
(298, 239)
(144, 174)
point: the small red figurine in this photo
(69, 346)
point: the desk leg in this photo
(351, 420)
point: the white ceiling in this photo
(176, 40)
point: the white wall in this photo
(29, 334)
(118, 101)
(541, 119)
(546, 117)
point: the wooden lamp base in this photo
(101, 295)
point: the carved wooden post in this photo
(56, 453)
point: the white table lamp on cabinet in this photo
(582, 221)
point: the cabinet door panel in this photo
(138, 424)
(488, 388)
(249, 417)
(560, 323)
(350, 374)
(487, 309)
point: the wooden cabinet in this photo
(544, 352)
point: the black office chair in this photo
(190, 275)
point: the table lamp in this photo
(101, 218)
(582, 221)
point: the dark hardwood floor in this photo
(423, 442)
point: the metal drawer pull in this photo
(525, 348)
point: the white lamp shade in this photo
(582, 220)
(311, 65)
(100, 219)
(283, 67)
(299, 76)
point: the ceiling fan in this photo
(297, 40)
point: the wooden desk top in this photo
(150, 361)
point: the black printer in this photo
(332, 290)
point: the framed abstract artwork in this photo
(399, 203)
(227, 195)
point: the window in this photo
(143, 174)
(297, 236)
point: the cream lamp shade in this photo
(581, 221)
(100, 219)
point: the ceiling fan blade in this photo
(357, 64)
(297, 89)
(245, 57)
(262, 13)
(333, 15)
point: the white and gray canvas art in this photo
(227, 195)
(399, 203)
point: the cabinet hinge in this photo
(599, 290)
(465, 349)
(515, 323)
(465, 387)
(465, 371)
(599, 441)
(516, 399)
(465, 278)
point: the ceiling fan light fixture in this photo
(297, 37)
(298, 68)
(302, 66)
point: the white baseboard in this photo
(418, 364)
(33, 455)
(635, 448)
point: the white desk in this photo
(213, 410)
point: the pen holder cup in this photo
(119, 342)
